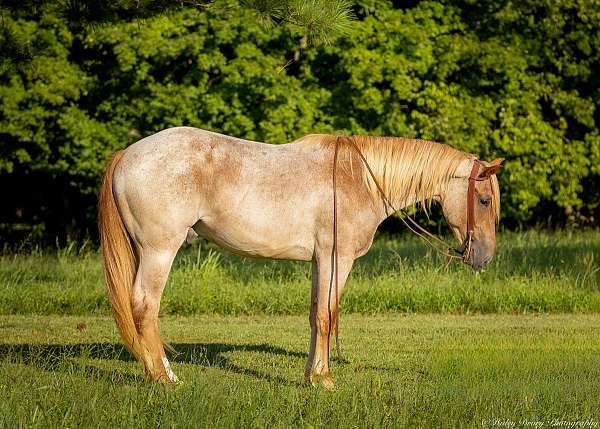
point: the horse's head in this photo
(471, 205)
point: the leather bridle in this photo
(466, 248)
(463, 252)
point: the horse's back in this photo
(180, 144)
(184, 146)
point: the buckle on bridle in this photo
(464, 251)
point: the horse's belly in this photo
(256, 241)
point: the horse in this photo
(274, 201)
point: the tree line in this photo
(495, 78)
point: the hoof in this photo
(161, 379)
(168, 381)
(327, 382)
(324, 380)
(166, 377)
(173, 385)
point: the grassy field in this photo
(246, 371)
(240, 330)
(532, 272)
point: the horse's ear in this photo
(491, 168)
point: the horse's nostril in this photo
(480, 263)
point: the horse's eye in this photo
(485, 201)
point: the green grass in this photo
(532, 272)
(246, 371)
(241, 356)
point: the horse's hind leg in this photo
(150, 281)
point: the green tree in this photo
(501, 79)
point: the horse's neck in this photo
(406, 203)
(400, 199)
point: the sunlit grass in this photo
(246, 371)
(532, 272)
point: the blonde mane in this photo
(408, 170)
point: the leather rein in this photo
(463, 252)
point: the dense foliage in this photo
(512, 79)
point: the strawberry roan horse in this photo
(270, 201)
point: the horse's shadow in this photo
(59, 357)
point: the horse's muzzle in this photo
(481, 256)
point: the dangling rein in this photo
(463, 252)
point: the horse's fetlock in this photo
(170, 374)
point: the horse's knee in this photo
(322, 323)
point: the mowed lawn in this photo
(414, 370)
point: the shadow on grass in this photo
(58, 357)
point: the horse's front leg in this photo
(323, 314)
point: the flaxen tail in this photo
(120, 260)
